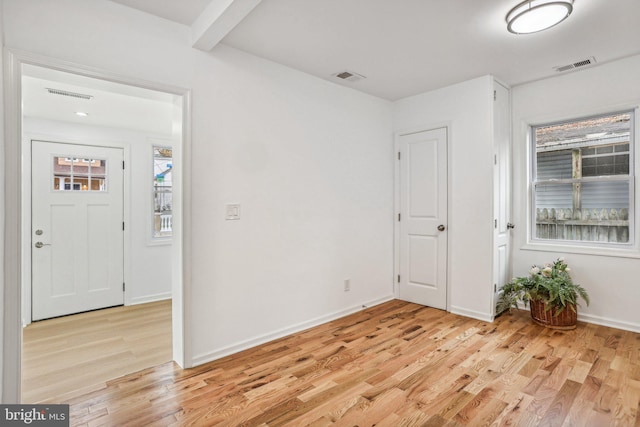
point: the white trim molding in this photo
(599, 320)
(611, 323)
(486, 317)
(262, 339)
(150, 298)
(13, 61)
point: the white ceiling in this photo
(181, 11)
(113, 105)
(406, 47)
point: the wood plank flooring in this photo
(396, 364)
(75, 354)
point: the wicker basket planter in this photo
(548, 318)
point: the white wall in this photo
(311, 165)
(309, 161)
(2, 200)
(466, 109)
(611, 279)
(149, 263)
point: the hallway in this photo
(73, 355)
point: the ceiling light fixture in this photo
(532, 16)
(81, 114)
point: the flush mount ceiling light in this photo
(82, 114)
(532, 16)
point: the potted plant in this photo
(550, 292)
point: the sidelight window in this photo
(162, 192)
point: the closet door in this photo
(501, 188)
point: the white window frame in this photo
(166, 238)
(629, 249)
(89, 175)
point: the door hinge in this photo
(495, 223)
(495, 159)
(123, 165)
(398, 155)
(494, 95)
(122, 225)
(123, 286)
(398, 278)
(398, 217)
(495, 288)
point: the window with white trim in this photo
(583, 182)
(162, 192)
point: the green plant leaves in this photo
(551, 283)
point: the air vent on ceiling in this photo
(589, 61)
(67, 93)
(349, 76)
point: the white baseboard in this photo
(486, 317)
(603, 321)
(253, 342)
(150, 298)
(612, 323)
(134, 301)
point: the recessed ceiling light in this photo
(81, 114)
(532, 16)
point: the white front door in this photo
(423, 218)
(77, 228)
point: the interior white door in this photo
(77, 228)
(502, 189)
(423, 218)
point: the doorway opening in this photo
(124, 122)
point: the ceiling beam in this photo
(217, 20)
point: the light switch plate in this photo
(232, 211)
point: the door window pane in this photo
(78, 174)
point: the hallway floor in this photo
(72, 355)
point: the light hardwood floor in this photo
(73, 355)
(396, 364)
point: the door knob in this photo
(441, 227)
(510, 226)
(40, 244)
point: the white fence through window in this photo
(596, 225)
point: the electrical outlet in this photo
(347, 285)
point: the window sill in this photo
(627, 252)
(159, 241)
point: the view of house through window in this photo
(73, 174)
(583, 180)
(162, 191)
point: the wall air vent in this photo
(67, 93)
(589, 61)
(349, 76)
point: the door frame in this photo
(27, 225)
(397, 190)
(14, 173)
